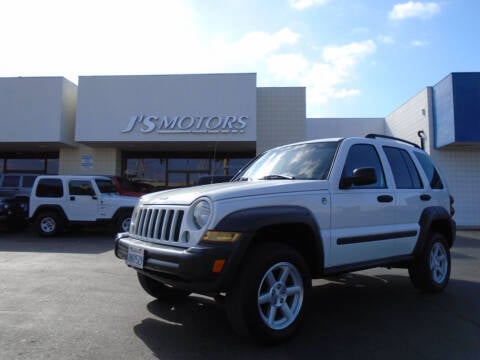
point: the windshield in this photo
(106, 186)
(310, 161)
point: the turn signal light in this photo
(218, 265)
(221, 236)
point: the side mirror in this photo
(360, 177)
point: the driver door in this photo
(82, 201)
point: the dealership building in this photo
(169, 130)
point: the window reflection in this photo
(38, 163)
(31, 165)
(172, 171)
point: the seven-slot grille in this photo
(157, 224)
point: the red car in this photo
(130, 188)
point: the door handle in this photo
(72, 198)
(425, 197)
(385, 198)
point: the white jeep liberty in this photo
(296, 212)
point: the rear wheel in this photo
(48, 223)
(161, 291)
(269, 299)
(430, 271)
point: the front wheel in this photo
(430, 271)
(269, 299)
(123, 222)
(49, 223)
(161, 291)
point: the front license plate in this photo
(135, 256)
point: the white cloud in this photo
(305, 4)
(324, 79)
(414, 10)
(116, 37)
(419, 43)
(386, 39)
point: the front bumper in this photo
(186, 268)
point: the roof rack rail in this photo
(374, 136)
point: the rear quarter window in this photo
(430, 170)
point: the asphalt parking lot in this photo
(70, 298)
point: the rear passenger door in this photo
(410, 195)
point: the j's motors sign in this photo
(228, 124)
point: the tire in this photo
(161, 291)
(271, 294)
(123, 222)
(49, 224)
(430, 270)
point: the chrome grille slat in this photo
(159, 224)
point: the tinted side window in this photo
(80, 187)
(430, 171)
(404, 170)
(11, 180)
(364, 156)
(49, 188)
(106, 186)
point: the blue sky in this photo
(357, 58)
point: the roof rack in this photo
(374, 136)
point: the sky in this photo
(356, 58)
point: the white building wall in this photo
(411, 117)
(461, 167)
(86, 160)
(37, 110)
(281, 113)
(322, 128)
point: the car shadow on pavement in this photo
(81, 241)
(355, 316)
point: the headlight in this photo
(201, 213)
(133, 219)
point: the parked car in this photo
(58, 201)
(15, 190)
(13, 212)
(298, 212)
(129, 187)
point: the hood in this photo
(229, 190)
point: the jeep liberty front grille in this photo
(157, 224)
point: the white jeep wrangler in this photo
(296, 212)
(57, 201)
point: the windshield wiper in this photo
(243, 179)
(277, 177)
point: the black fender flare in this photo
(57, 208)
(250, 221)
(122, 210)
(430, 219)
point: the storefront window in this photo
(189, 164)
(52, 166)
(164, 170)
(150, 171)
(37, 163)
(27, 165)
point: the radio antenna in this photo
(214, 159)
